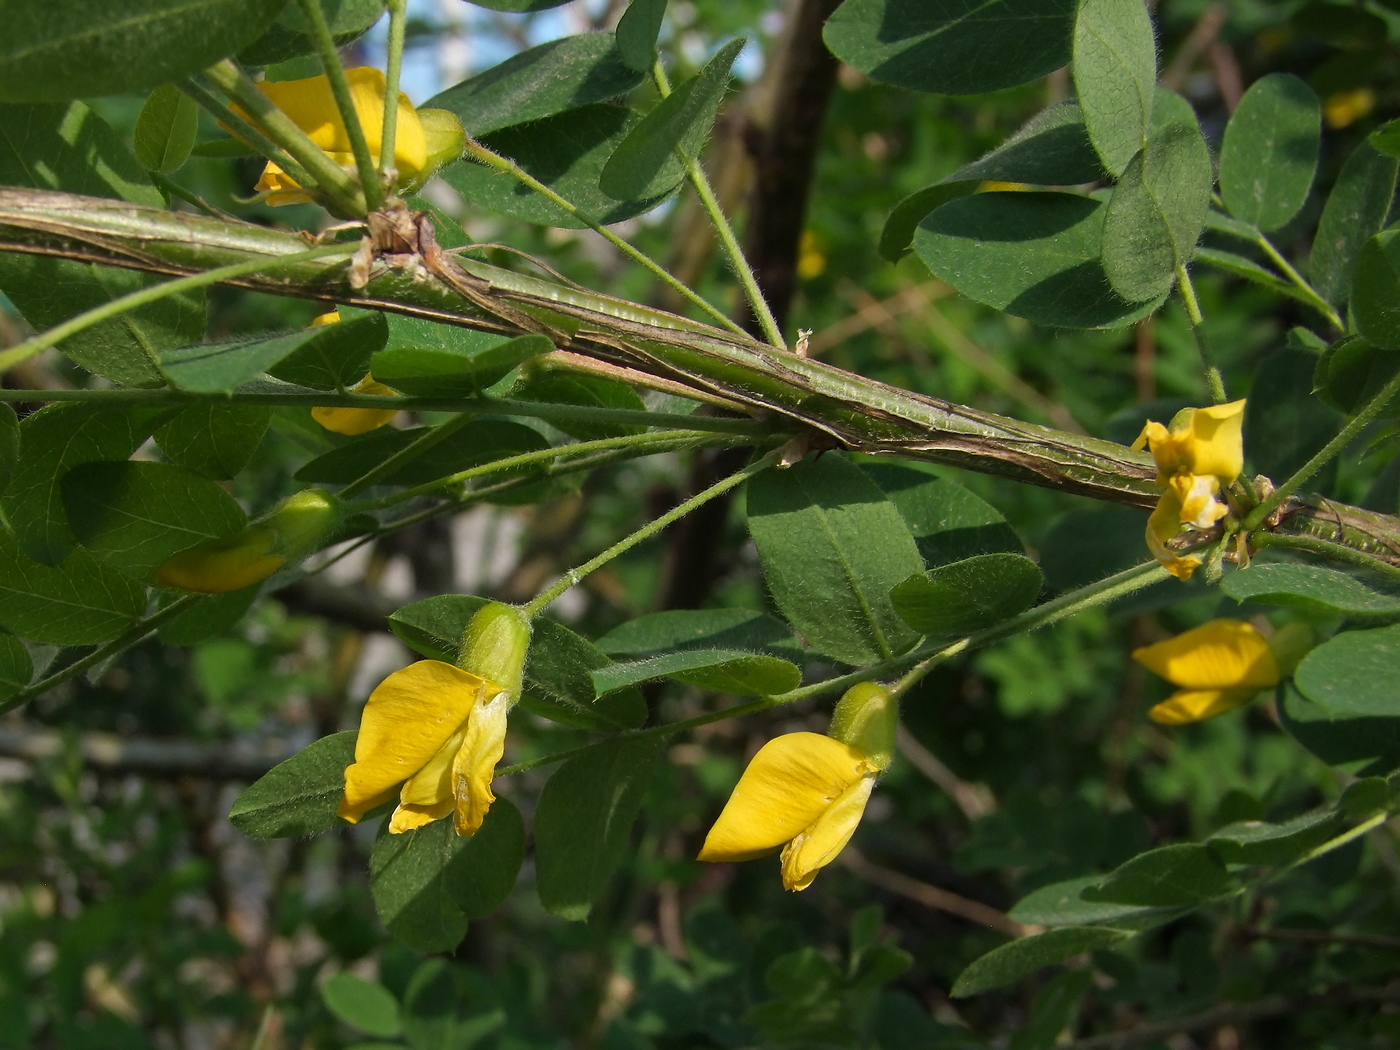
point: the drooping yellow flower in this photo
(352, 421)
(311, 106)
(1219, 666)
(222, 565)
(434, 733)
(1201, 450)
(805, 793)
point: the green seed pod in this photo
(866, 719)
(494, 646)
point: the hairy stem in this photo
(1193, 313)
(398, 18)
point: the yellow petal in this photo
(818, 846)
(1194, 705)
(311, 106)
(1217, 441)
(1196, 493)
(321, 320)
(1162, 525)
(475, 763)
(280, 187)
(410, 142)
(351, 421)
(223, 565)
(787, 786)
(408, 817)
(1222, 654)
(406, 721)
(1169, 450)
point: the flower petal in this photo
(475, 762)
(1195, 705)
(1196, 493)
(818, 846)
(1217, 441)
(353, 421)
(406, 721)
(1163, 524)
(222, 565)
(1222, 654)
(787, 786)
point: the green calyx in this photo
(303, 521)
(447, 138)
(866, 718)
(494, 646)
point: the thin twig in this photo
(973, 799)
(934, 896)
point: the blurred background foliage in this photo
(133, 915)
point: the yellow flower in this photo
(434, 733)
(1199, 441)
(805, 792)
(223, 565)
(1219, 666)
(311, 106)
(1345, 108)
(353, 421)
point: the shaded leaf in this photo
(1011, 962)
(298, 798)
(78, 602)
(166, 129)
(722, 670)
(1269, 154)
(366, 1005)
(968, 595)
(1355, 210)
(1169, 876)
(1314, 588)
(1115, 76)
(1352, 674)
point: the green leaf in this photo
(485, 870)
(76, 603)
(16, 669)
(949, 523)
(1284, 424)
(1353, 674)
(1170, 876)
(133, 516)
(557, 682)
(832, 547)
(1035, 255)
(1375, 293)
(9, 444)
(563, 388)
(70, 148)
(453, 373)
(1356, 744)
(1355, 211)
(584, 819)
(211, 616)
(289, 37)
(90, 47)
(952, 47)
(1352, 371)
(1257, 842)
(1115, 75)
(1011, 962)
(366, 1005)
(637, 31)
(567, 153)
(968, 595)
(298, 798)
(721, 670)
(53, 441)
(1313, 588)
(409, 876)
(518, 5)
(1159, 206)
(648, 162)
(479, 442)
(552, 78)
(1051, 149)
(338, 354)
(684, 629)
(1062, 904)
(1269, 154)
(166, 129)
(215, 368)
(213, 439)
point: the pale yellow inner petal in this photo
(786, 787)
(406, 722)
(475, 762)
(1194, 705)
(1222, 654)
(818, 846)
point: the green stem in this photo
(340, 90)
(539, 602)
(337, 184)
(737, 259)
(176, 190)
(1344, 437)
(98, 314)
(1193, 313)
(398, 18)
(242, 129)
(642, 444)
(1106, 590)
(112, 648)
(1335, 551)
(420, 445)
(503, 407)
(491, 159)
(1314, 300)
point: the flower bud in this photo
(303, 521)
(219, 566)
(866, 718)
(494, 646)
